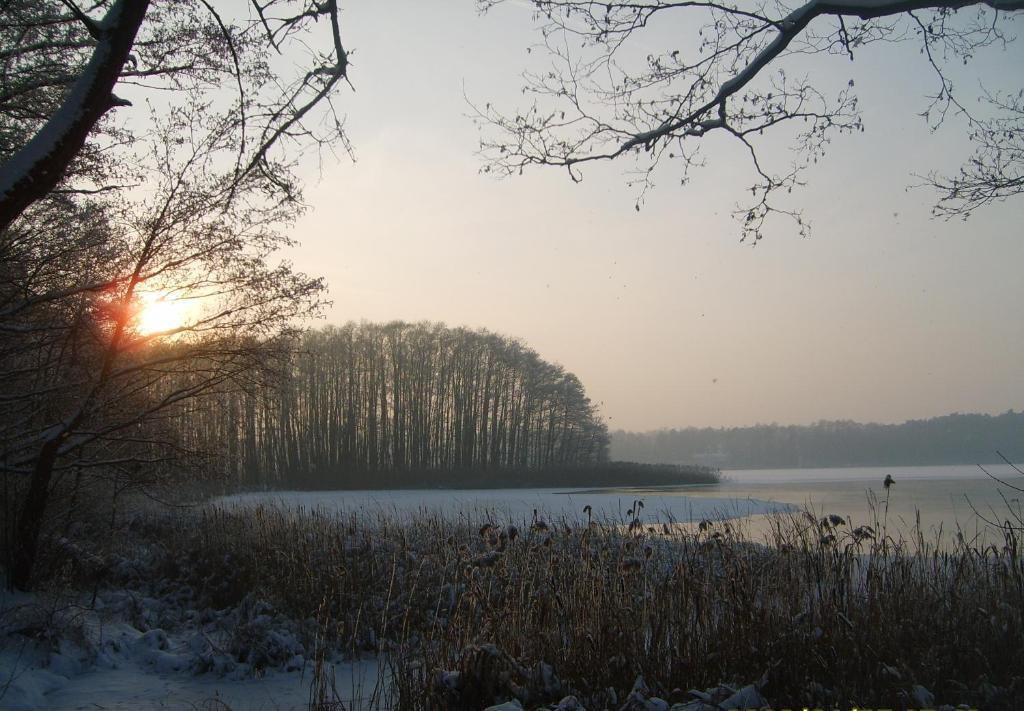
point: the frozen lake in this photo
(945, 498)
(664, 504)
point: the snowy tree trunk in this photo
(36, 169)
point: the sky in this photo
(882, 314)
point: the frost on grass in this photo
(541, 611)
(148, 644)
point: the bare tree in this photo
(608, 96)
(265, 81)
(108, 215)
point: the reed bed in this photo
(825, 612)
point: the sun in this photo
(159, 312)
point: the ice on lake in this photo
(659, 506)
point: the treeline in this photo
(951, 439)
(400, 404)
(594, 475)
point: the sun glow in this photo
(159, 312)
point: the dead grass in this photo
(824, 613)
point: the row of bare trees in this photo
(367, 403)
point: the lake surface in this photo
(666, 504)
(943, 499)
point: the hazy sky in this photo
(882, 314)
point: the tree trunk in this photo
(30, 522)
(36, 168)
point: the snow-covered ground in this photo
(145, 646)
(62, 655)
(136, 685)
(517, 504)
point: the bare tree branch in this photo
(34, 170)
(601, 102)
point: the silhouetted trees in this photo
(952, 439)
(171, 192)
(368, 404)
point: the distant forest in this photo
(377, 405)
(951, 439)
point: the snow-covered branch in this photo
(38, 166)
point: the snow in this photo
(922, 697)
(134, 688)
(746, 698)
(507, 706)
(134, 683)
(63, 120)
(69, 657)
